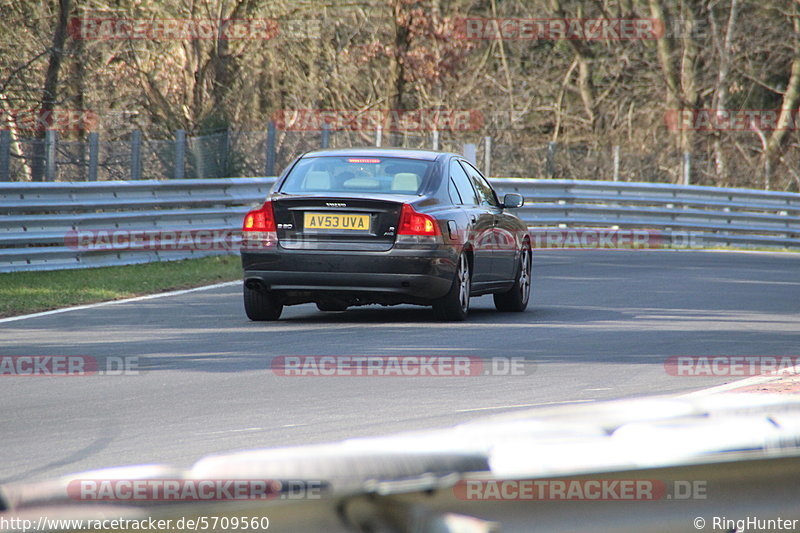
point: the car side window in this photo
(485, 191)
(453, 192)
(462, 184)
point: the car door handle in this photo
(452, 229)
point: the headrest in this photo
(405, 181)
(317, 180)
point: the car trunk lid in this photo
(337, 223)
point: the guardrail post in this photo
(198, 156)
(180, 155)
(487, 156)
(224, 171)
(50, 141)
(5, 155)
(616, 162)
(550, 161)
(136, 155)
(435, 140)
(94, 155)
(269, 168)
(326, 135)
(471, 153)
(378, 136)
(687, 168)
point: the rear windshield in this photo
(385, 175)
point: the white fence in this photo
(40, 220)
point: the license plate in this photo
(336, 221)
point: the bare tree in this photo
(50, 91)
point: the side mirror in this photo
(513, 200)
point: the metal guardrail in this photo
(38, 218)
(710, 216)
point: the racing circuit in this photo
(601, 325)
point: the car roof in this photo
(427, 155)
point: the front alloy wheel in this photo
(516, 299)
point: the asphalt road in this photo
(600, 326)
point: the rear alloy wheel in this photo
(517, 298)
(455, 304)
(261, 305)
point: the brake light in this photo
(362, 160)
(414, 223)
(261, 219)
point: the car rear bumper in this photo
(418, 275)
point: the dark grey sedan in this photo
(351, 227)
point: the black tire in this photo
(517, 298)
(260, 305)
(455, 304)
(331, 306)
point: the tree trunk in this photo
(15, 148)
(791, 98)
(681, 81)
(584, 56)
(50, 90)
(721, 96)
(397, 74)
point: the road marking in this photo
(600, 389)
(244, 430)
(520, 405)
(752, 252)
(250, 430)
(125, 301)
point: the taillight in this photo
(261, 219)
(414, 223)
(259, 230)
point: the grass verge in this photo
(30, 292)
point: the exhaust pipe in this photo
(255, 285)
